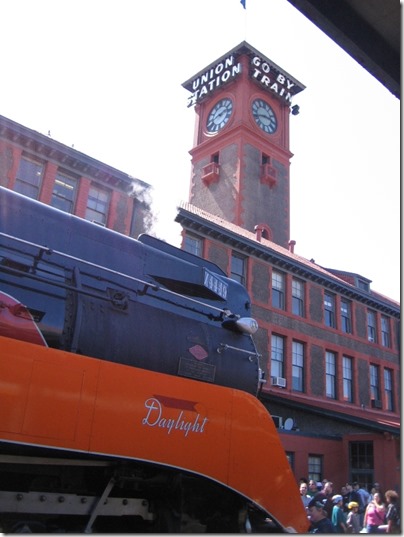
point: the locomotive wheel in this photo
(167, 521)
(29, 526)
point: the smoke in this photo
(143, 200)
(157, 213)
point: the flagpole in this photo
(244, 4)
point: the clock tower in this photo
(241, 156)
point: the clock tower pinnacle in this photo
(241, 156)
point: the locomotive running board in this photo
(73, 504)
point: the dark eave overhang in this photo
(368, 30)
(370, 424)
(64, 156)
(197, 224)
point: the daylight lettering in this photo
(180, 422)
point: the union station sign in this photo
(262, 70)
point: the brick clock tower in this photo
(241, 156)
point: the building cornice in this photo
(198, 221)
(67, 157)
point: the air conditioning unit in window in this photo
(269, 175)
(278, 421)
(210, 173)
(278, 381)
(375, 403)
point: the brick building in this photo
(53, 173)
(329, 343)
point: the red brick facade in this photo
(18, 142)
(339, 340)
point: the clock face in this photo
(264, 116)
(219, 115)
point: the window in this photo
(64, 193)
(372, 336)
(97, 205)
(363, 285)
(291, 459)
(238, 268)
(346, 322)
(315, 468)
(263, 231)
(278, 290)
(347, 379)
(277, 356)
(329, 310)
(193, 245)
(374, 382)
(330, 375)
(362, 463)
(297, 297)
(388, 389)
(211, 171)
(29, 178)
(386, 342)
(297, 366)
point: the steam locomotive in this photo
(128, 383)
(144, 303)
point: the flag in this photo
(243, 2)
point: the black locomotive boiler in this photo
(76, 286)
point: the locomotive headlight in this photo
(246, 325)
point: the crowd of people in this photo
(353, 510)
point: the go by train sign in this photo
(263, 71)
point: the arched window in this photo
(263, 231)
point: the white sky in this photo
(106, 76)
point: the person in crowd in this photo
(319, 521)
(303, 494)
(353, 522)
(326, 494)
(375, 514)
(312, 489)
(364, 498)
(338, 518)
(345, 499)
(372, 493)
(393, 516)
(352, 495)
(376, 488)
(363, 493)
